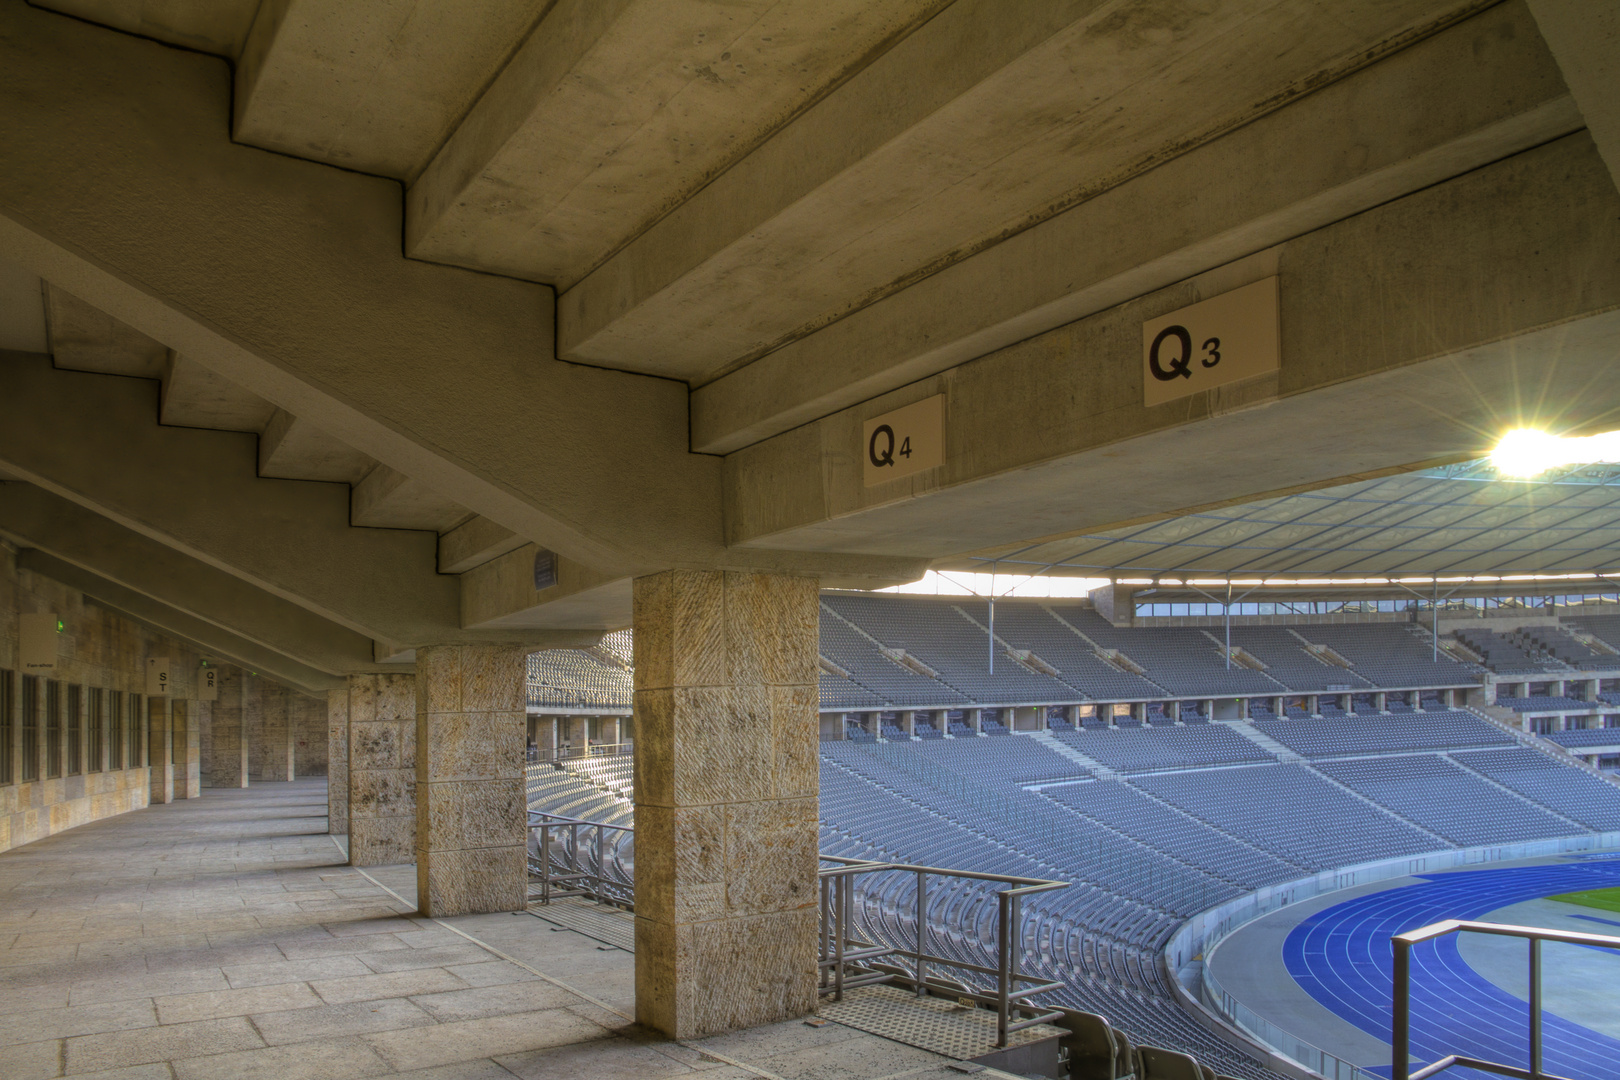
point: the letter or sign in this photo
(905, 441)
(37, 642)
(208, 684)
(157, 676)
(1225, 339)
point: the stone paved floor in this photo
(223, 937)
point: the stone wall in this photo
(99, 650)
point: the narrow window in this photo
(30, 727)
(53, 729)
(75, 729)
(6, 724)
(115, 730)
(137, 744)
(177, 744)
(97, 721)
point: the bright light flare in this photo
(1528, 452)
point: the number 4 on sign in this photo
(905, 447)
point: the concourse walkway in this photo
(224, 937)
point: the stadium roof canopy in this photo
(1462, 519)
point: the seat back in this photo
(1160, 1064)
(1092, 1046)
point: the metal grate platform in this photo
(609, 925)
(929, 1023)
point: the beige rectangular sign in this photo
(905, 441)
(37, 638)
(207, 683)
(1225, 339)
(157, 676)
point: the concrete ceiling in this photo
(622, 280)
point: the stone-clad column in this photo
(187, 720)
(337, 762)
(726, 777)
(228, 744)
(159, 751)
(382, 769)
(471, 813)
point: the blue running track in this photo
(1342, 957)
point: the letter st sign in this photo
(1225, 339)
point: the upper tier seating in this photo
(1165, 748)
(1504, 655)
(1389, 654)
(1180, 659)
(872, 670)
(1384, 734)
(1289, 662)
(942, 637)
(1446, 799)
(1032, 627)
(840, 693)
(1560, 643)
(1605, 628)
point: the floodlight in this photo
(1528, 452)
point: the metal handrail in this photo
(602, 868)
(575, 857)
(851, 957)
(1401, 1044)
(539, 755)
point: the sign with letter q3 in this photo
(1222, 340)
(904, 441)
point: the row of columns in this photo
(431, 766)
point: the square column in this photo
(471, 807)
(337, 761)
(726, 766)
(159, 751)
(187, 722)
(228, 743)
(382, 769)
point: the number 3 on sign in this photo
(1239, 339)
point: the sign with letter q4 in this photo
(905, 441)
(1222, 340)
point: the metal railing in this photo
(1401, 1049)
(544, 755)
(573, 857)
(857, 950)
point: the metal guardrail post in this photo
(1535, 1007)
(1401, 1043)
(922, 931)
(545, 864)
(1003, 966)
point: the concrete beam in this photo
(296, 449)
(1585, 37)
(1415, 331)
(386, 499)
(211, 26)
(85, 338)
(614, 111)
(206, 638)
(285, 277)
(991, 117)
(92, 439)
(1489, 90)
(38, 519)
(375, 87)
(501, 593)
(193, 396)
(474, 543)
